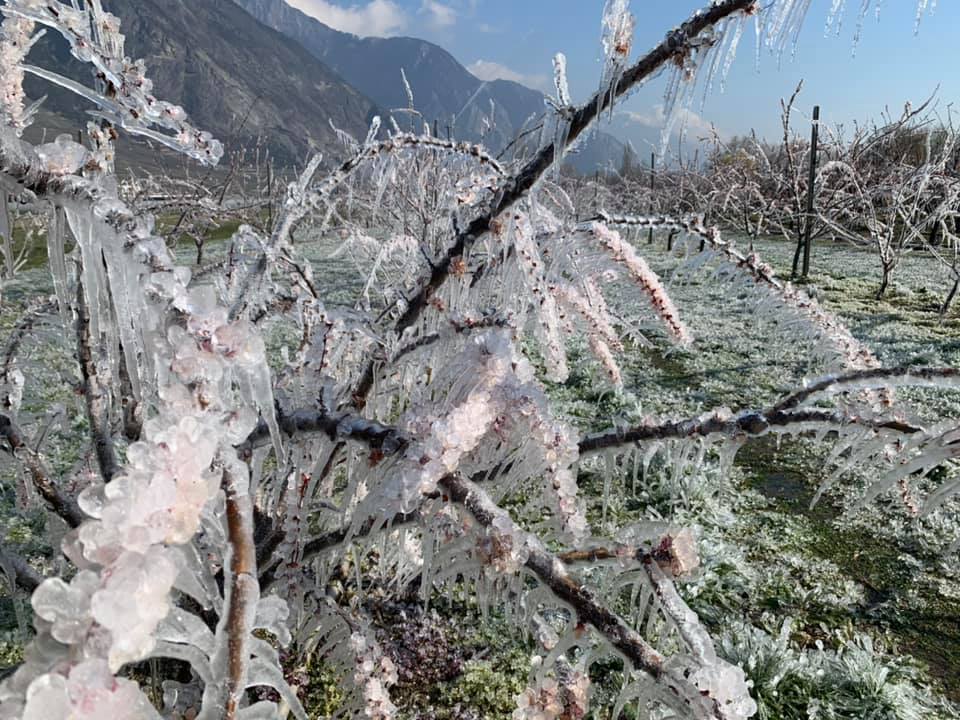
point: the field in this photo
(834, 611)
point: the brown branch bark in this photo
(64, 506)
(25, 577)
(95, 393)
(243, 593)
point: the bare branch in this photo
(243, 593)
(64, 506)
(23, 574)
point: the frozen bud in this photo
(547, 636)
(502, 546)
(63, 156)
(48, 697)
(626, 555)
(728, 687)
(133, 600)
(66, 607)
(677, 553)
(241, 342)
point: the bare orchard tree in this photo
(224, 493)
(739, 186)
(789, 164)
(899, 183)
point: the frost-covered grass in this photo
(851, 583)
(869, 601)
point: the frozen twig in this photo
(59, 502)
(244, 591)
(95, 393)
(22, 572)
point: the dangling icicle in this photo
(617, 39)
(560, 80)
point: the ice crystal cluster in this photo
(399, 444)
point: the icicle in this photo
(56, 254)
(372, 132)
(835, 16)
(560, 80)
(921, 8)
(731, 53)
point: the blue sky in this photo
(518, 38)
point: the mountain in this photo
(443, 90)
(599, 151)
(237, 78)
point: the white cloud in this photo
(687, 119)
(379, 18)
(439, 16)
(488, 70)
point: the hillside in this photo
(236, 77)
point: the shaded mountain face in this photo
(443, 90)
(235, 77)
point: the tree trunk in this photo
(795, 268)
(883, 283)
(949, 299)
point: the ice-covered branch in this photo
(58, 501)
(11, 378)
(751, 423)
(20, 572)
(715, 690)
(852, 353)
(95, 392)
(336, 426)
(552, 573)
(94, 37)
(872, 379)
(516, 187)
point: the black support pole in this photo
(808, 230)
(653, 185)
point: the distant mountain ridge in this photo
(234, 76)
(444, 91)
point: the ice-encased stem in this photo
(222, 698)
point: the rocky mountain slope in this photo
(443, 89)
(236, 77)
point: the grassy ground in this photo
(873, 604)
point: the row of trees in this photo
(893, 186)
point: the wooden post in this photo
(653, 183)
(810, 189)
